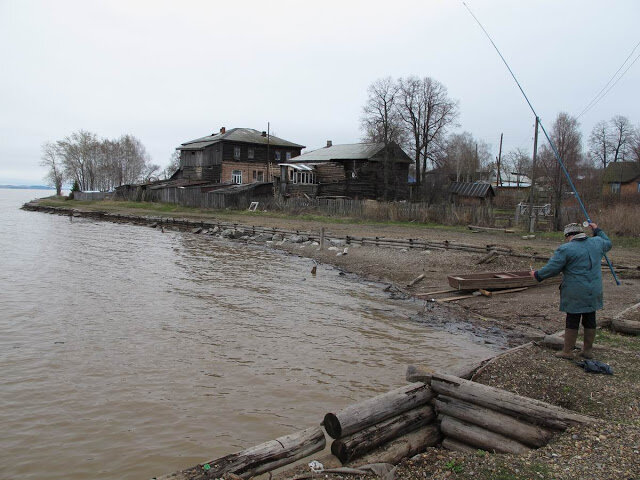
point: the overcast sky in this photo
(168, 72)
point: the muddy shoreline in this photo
(506, 321)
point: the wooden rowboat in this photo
(491, 280)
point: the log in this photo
(626, 326)
(420, 374)
(415, 280)
(488, 258)
(373, 410)
(478, 437)
(493, 421)
(523, 408)
(457, 446)
(364, 441)
(403, 447)
(259, 459)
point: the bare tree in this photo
(599, 144)
(635, 146)
(464, 156)
(174, 165)
(381, 120)
(567, 138)
(80, 152)
(104, 164)
(51, 159)
(426, 112)
(622, 135)
(518, 162)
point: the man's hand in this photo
(593, 226)
(532, 273)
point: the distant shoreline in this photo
(27, 187)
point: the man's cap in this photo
(573, 229)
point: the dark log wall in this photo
(300, 190)
(330, 172)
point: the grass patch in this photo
(616, 340)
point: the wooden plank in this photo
(437, 292)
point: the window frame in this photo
(251, 153)
(236, 175)
(237, 152)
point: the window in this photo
(615, 187)
(250, 153)
(236, 153)
(255, 175)
(260, 176)
(287, 156)
(236, 176)
(277, 155)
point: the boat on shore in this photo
(492, 280)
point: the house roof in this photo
(348, 151)
(621, 172)
(244, 135)
(468, 189)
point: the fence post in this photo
(410, 243)
(348, 240)
(322, 238)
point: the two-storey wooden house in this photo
(238, 155)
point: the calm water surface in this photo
(128, 353)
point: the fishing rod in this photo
(553, 146)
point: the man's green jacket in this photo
(579, 261)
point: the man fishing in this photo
(581, 290)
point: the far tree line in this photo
(92, 163)
(418, 114)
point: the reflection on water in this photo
(128, 353)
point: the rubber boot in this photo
(570, 337)
(589, 337)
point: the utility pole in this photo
(532, 216)
(269, 179)
(499, 178)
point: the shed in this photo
(469, 193)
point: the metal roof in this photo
(349, 151)
(468, 189)
(245, 135)
(300, 166)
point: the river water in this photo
(126, 352)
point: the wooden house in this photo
(467, 193)
(238, 156)
(622, 179)
(351, 170)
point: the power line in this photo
(599, 96)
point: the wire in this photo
(599, 97)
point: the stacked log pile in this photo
(400, 420)
(474, 416)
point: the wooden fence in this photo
(446, 213)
